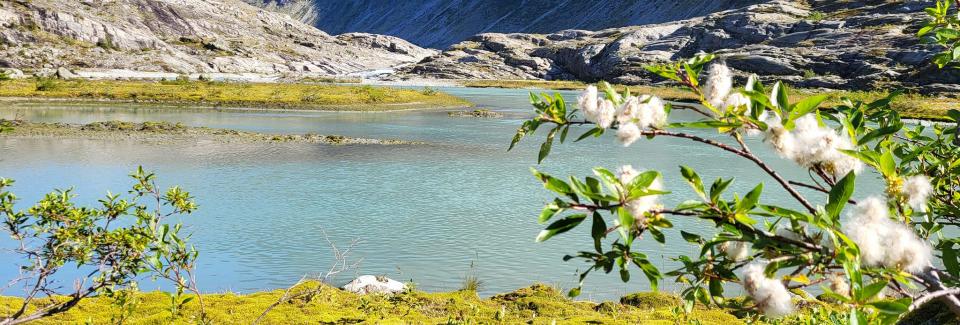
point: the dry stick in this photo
(340, 264)
(933, 283)
(284, 298)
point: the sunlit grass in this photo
(538, 304)
(270, 95)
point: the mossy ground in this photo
(258, 95)
(538, 304)
(909, 105)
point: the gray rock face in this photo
(439, 23)
(184, 37)
(859, 45)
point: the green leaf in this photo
(881, 132)
(552, 183)
(751, 199)
(694, 180)
(594, 131)
(871, 290)
(718, 187)
(690, 237)
(782, 101)
(548, 212)
(598, 230)
(547, 145)
(840, 194)
(888, 166)
(889, 307)
(806, 105)
(561, 226)
(950, 259)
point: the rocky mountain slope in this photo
(184, 36)
(439, 23)
(834, 44)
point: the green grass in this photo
(910, 105)
(538, 304)
(257, 95)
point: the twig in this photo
(745, 154)
(818, 189)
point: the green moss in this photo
(650, 300)
(537, 304)
(270, 95)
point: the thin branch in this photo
(745, 154)
(818, 189)
(933, 295)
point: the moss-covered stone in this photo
(650, 300)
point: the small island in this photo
(169, 132)
(185, 92)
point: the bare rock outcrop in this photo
(832, 44)
(183, 37)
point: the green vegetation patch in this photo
(538, 304)
(269, 95)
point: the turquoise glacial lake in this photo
(431, 214)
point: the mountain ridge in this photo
(184, 36)
(440, 23)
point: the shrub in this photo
(46, 84)
(774, 251)
(115, 245)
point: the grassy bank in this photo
(167, 132)
(256, 95)
(909, 105)
(538, 304)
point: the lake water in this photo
(430, 213)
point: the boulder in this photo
(12, 73)
(374, 284)
(64, 73)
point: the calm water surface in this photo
(424, 213)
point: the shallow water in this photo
(424, 213)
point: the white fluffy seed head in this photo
(770, 295)
(885, 242)
(628, 112)
(839, 285)
(737, 100)
(784, 230)
(626, 174)
(651, 112)
(628, 133)
(640, 206)
(917, 189)
(736, 250)
(779, 138)
(811, 145)
(606, 112)
(907, 251)
(588, 103)
(718, 85)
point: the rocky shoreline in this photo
(164, 132)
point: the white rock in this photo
(12, 73)
(374, 284)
